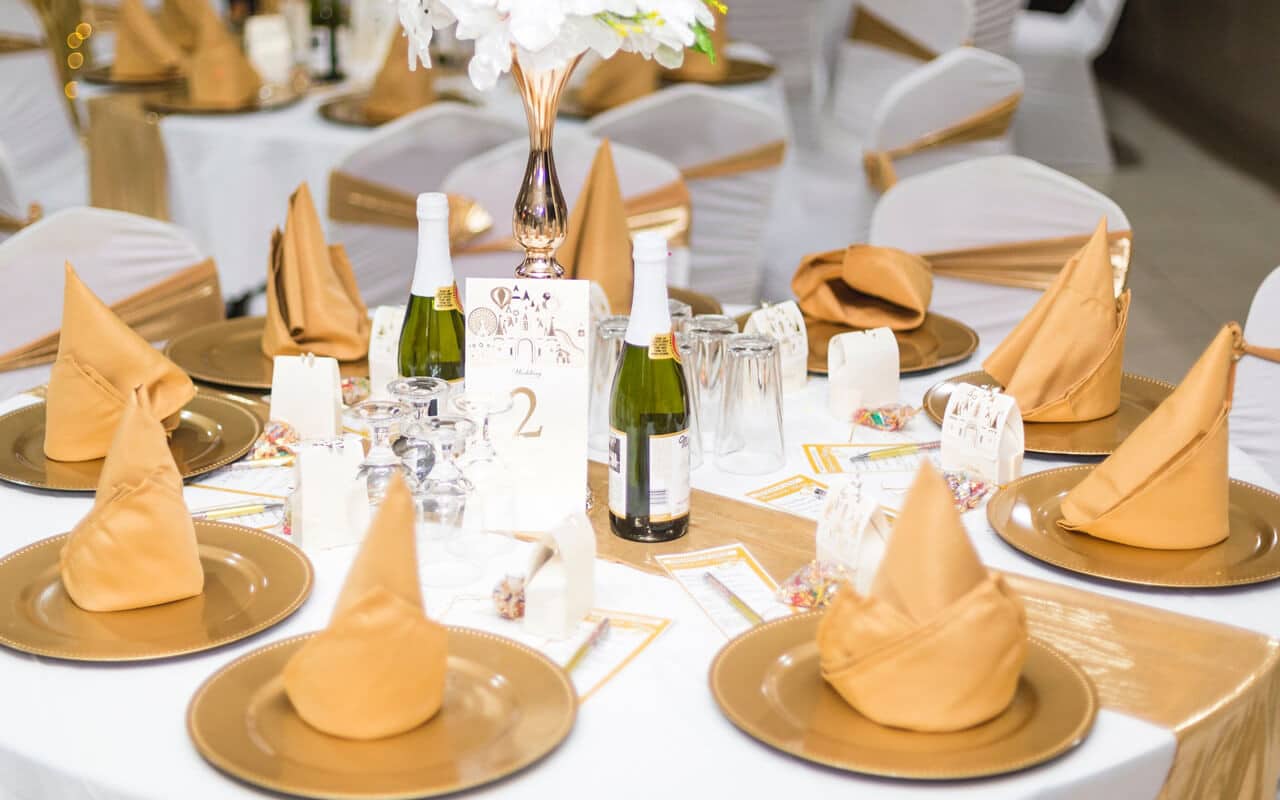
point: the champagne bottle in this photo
(432, 341)
(326, 16)
(649, 413)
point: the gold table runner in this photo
(1216, 687)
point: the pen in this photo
(898, 450)
(737, 602)
(260, 463)
(236, 510)
(601, 629)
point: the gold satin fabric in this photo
(220, 75)
(1029, 264)
(618, 80)
(186, 299)
(989, 123)
(699, 303)
(938, 643)
(100, 363)
(767, 156)
(396, 90)
(865, 286)
(13, 43)
(870, 28)
(59, 18)
(180, 21)
(379, 667)
(128, 170)
(597, 243)
(137, 545)
(313, 302)
(1064, 361)
(699, 66)
(142, 49)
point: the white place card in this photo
(530, 339)
(862, 369)
(560, 581)
(306, 392)
(853, 532)
(784, 323)
(982, 434)
(330, 503)
(384, 350)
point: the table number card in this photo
(785, 323)
(529, 338)
(982, 434)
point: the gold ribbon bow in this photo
(872, 29)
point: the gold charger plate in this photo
(101, 75)
(1139, 396)
(252, 580)
(229, 353)
(177, 101)
(740, 71)
(505, 707)
(349, 109)
(769, 684)
(213, 430)
(1025, 514)
(938, 342)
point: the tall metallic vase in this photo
(540, 214)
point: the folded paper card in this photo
(1064, 361)
(306, 392)
(220, 75)
(620, 79)
(269, 47)
(384, 350)
(862, 369)
(313, 302)
(597, 244)
(865, 286)
(397, 90)
(937, 643)
(982, 434)
(379, 668)
(853, 532)
(330, 504)
(560, 583)
(142, 50)
(1166, 486)
(100, 362)
(137, 545)
(784, 323)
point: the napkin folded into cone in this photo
(220, 75)
(379, 668)
(938, 642)
(618, 80)
(180, 21)
(865, 286)
(396, 89)
(313, 302)
(597, 245)
(1166, 486)
(1064, 361)
(137, 546)
(142, 49)
(701, 67)
(100, 361)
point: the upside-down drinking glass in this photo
(749, 436)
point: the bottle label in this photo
(663, 346)
(447, 298)
(668, 475)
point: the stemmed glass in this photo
(381, 462)
(478, 407)
(443, 501)
(422, 396)
(490, 511)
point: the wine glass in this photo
(422, 396)
(381, 462)
(478, 407)
(442, 501)
(491, 509)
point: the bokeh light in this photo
(70, 90)
(74, 39)
(75, 60)
(84, 29)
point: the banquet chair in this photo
(38, 131)
(149, 272)
(993, 22)
(1255, 415)
(1061, 122)
(410, 155)
(997, 203)
(730, 151)
(13, 212)
(19, 19)
(781, 29)
(492, 180)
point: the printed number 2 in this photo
(525, 391)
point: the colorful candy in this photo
(278, 440)
(967, 490)
(885, 418)
(812, 586)
(355, 390)
(508, 597)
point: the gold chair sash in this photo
(186, 299)
(128, 170)
(13, 43)
(1031, 264)
(988, 123)
(10, 224)
(870, 28)
(60, 20)
(766, 156)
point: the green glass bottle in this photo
(433, 339)
(649, 413)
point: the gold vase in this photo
(540, 214)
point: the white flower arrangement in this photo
(547, 34)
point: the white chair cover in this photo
(1061, 121)
(782, 29)
(10, 203)
(412, 154)
(1255, 412)
(37, 130)
(494, 179)
(117, 255)
(17, 17)
(864, 72)
(692, 126)
(986, 201)
(993, 22)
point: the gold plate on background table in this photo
(349, 109)
(740, 71)
(1025, 514)
(213, 430)
(176, 101)
(938, 342)
(101, 75)
(252, 580)
(769, 684)
(505, 707)
(229, 353)
(1139, 396)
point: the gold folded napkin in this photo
(379, 668)
(180, 21)
(100, 361)
(597, 246)
(1064, 361)
(142, 49)
(1166, 486)
(313, 303)
(397, 90)
(220, 76)
(699, 66)
(620, 79)
(865, 286)
(137, 546)
(938, 642)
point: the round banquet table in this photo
(112, 732)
